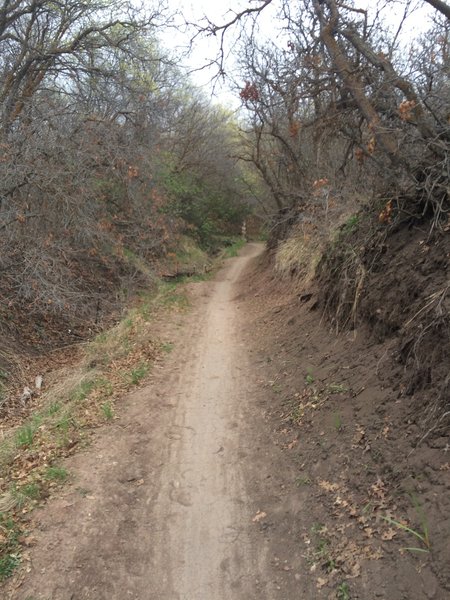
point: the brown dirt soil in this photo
(350, 440)
(395, 281)
(258, 463)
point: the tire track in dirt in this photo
(159, 509)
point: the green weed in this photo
(8, 564)
(322, 548)
(105, 386)
(53, 408)
(233, 250)
(82, 390)
(9, 547)
(303, 480)
(101, 338)
(22, 495)
(56, 473)
(297, 414)
(31, 491)
(338, 422)
(167, 347)
(368, 508)
(422, 534)
(107, 411)
(309, 378)
(64, 426)
(65, 423)
(323, 554)
(25, 436)
(138, 373)
(169, 296)
(317, 527)
(343, 591)
(330, 565)
(351, 224)
(128, 322)
(3, 379)
(198, 277)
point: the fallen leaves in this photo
(260, 515)
(327, 486)
(389, 534)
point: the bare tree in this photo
(340, 78)
(41, 39)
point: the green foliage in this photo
(234, 248)
(82, 390)
(64, 424)
(9, 547)
(421, 533)
(53, 408)
(169, 295)
(25, 436)
(31, 491)
(351, 224)
(3, 379)
(309, 378)
(107, 411)
(303, 480)
(336, 388)
(209, 210)
(343, 591)
(56, 473)
(138, 373)
(8, 564)
(338, 422)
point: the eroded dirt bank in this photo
(365, 497)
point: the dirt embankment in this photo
(365, 505)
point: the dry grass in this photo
(109, 365)
(298, 256)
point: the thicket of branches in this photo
(341, 104)
(106, 155)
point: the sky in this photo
(205, 49)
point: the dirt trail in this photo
(203, 543)
(159, 508)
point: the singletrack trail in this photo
(159, 509)
(204, 549)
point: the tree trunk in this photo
(386, 139)
(440, 6)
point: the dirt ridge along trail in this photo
(159, 508)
